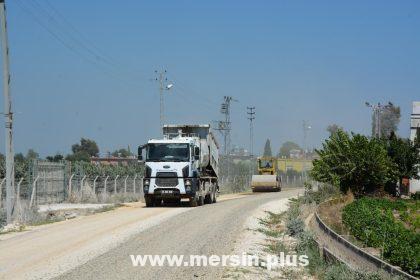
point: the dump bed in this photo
(208, 144)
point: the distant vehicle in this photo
(267, 178)
(181, 165)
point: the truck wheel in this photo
(200, 201)
(193, 201)
(208, 199)
(214, 198)
(157, 202)
(149, 201)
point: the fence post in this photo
(125, 184)
(115, 183)
(33, 192)
(134, 183)
(18, 192)
(82, 182)
(71, 178)
(1, 188)
(94, 184)
(106, 181)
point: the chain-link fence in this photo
(53, 182)
(95, 189)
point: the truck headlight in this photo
(187, 184)
(146, 184)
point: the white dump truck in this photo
(181, 165)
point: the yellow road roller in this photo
(267, 179)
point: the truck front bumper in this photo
(169, 193)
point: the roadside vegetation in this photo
(373, 171)
(392, 226)
(287, 232)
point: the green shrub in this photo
(372, 221)
(294, 224)
(307, 245)
(324, 192)
(342, 272)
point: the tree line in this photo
(80, 156)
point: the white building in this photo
(414, 130)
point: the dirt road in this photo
(98, 246)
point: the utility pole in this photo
(162, 80)
(225, 126)
(377, 110)
(10, 172)
(251, 118)
(306, 128)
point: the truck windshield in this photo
(265, 164)
(168, 152)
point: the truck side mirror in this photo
(196, 153)
(139, 153)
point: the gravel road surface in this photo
(207, 230)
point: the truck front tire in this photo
(209, 198)
(214, 197)
(200, 201)
(193, 201)
(149, 201)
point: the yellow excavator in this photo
(267, 178)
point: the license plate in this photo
(167, 192)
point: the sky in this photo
(87, 68)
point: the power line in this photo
(82, 36)
(61, 27)
(71, 38)
(85, 42)
(70, 43)
(181, 84)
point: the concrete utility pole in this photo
(377, 110)
(306, 128)
(162, 80)
(251, 118)
(10, 172)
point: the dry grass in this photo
(331, 213)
